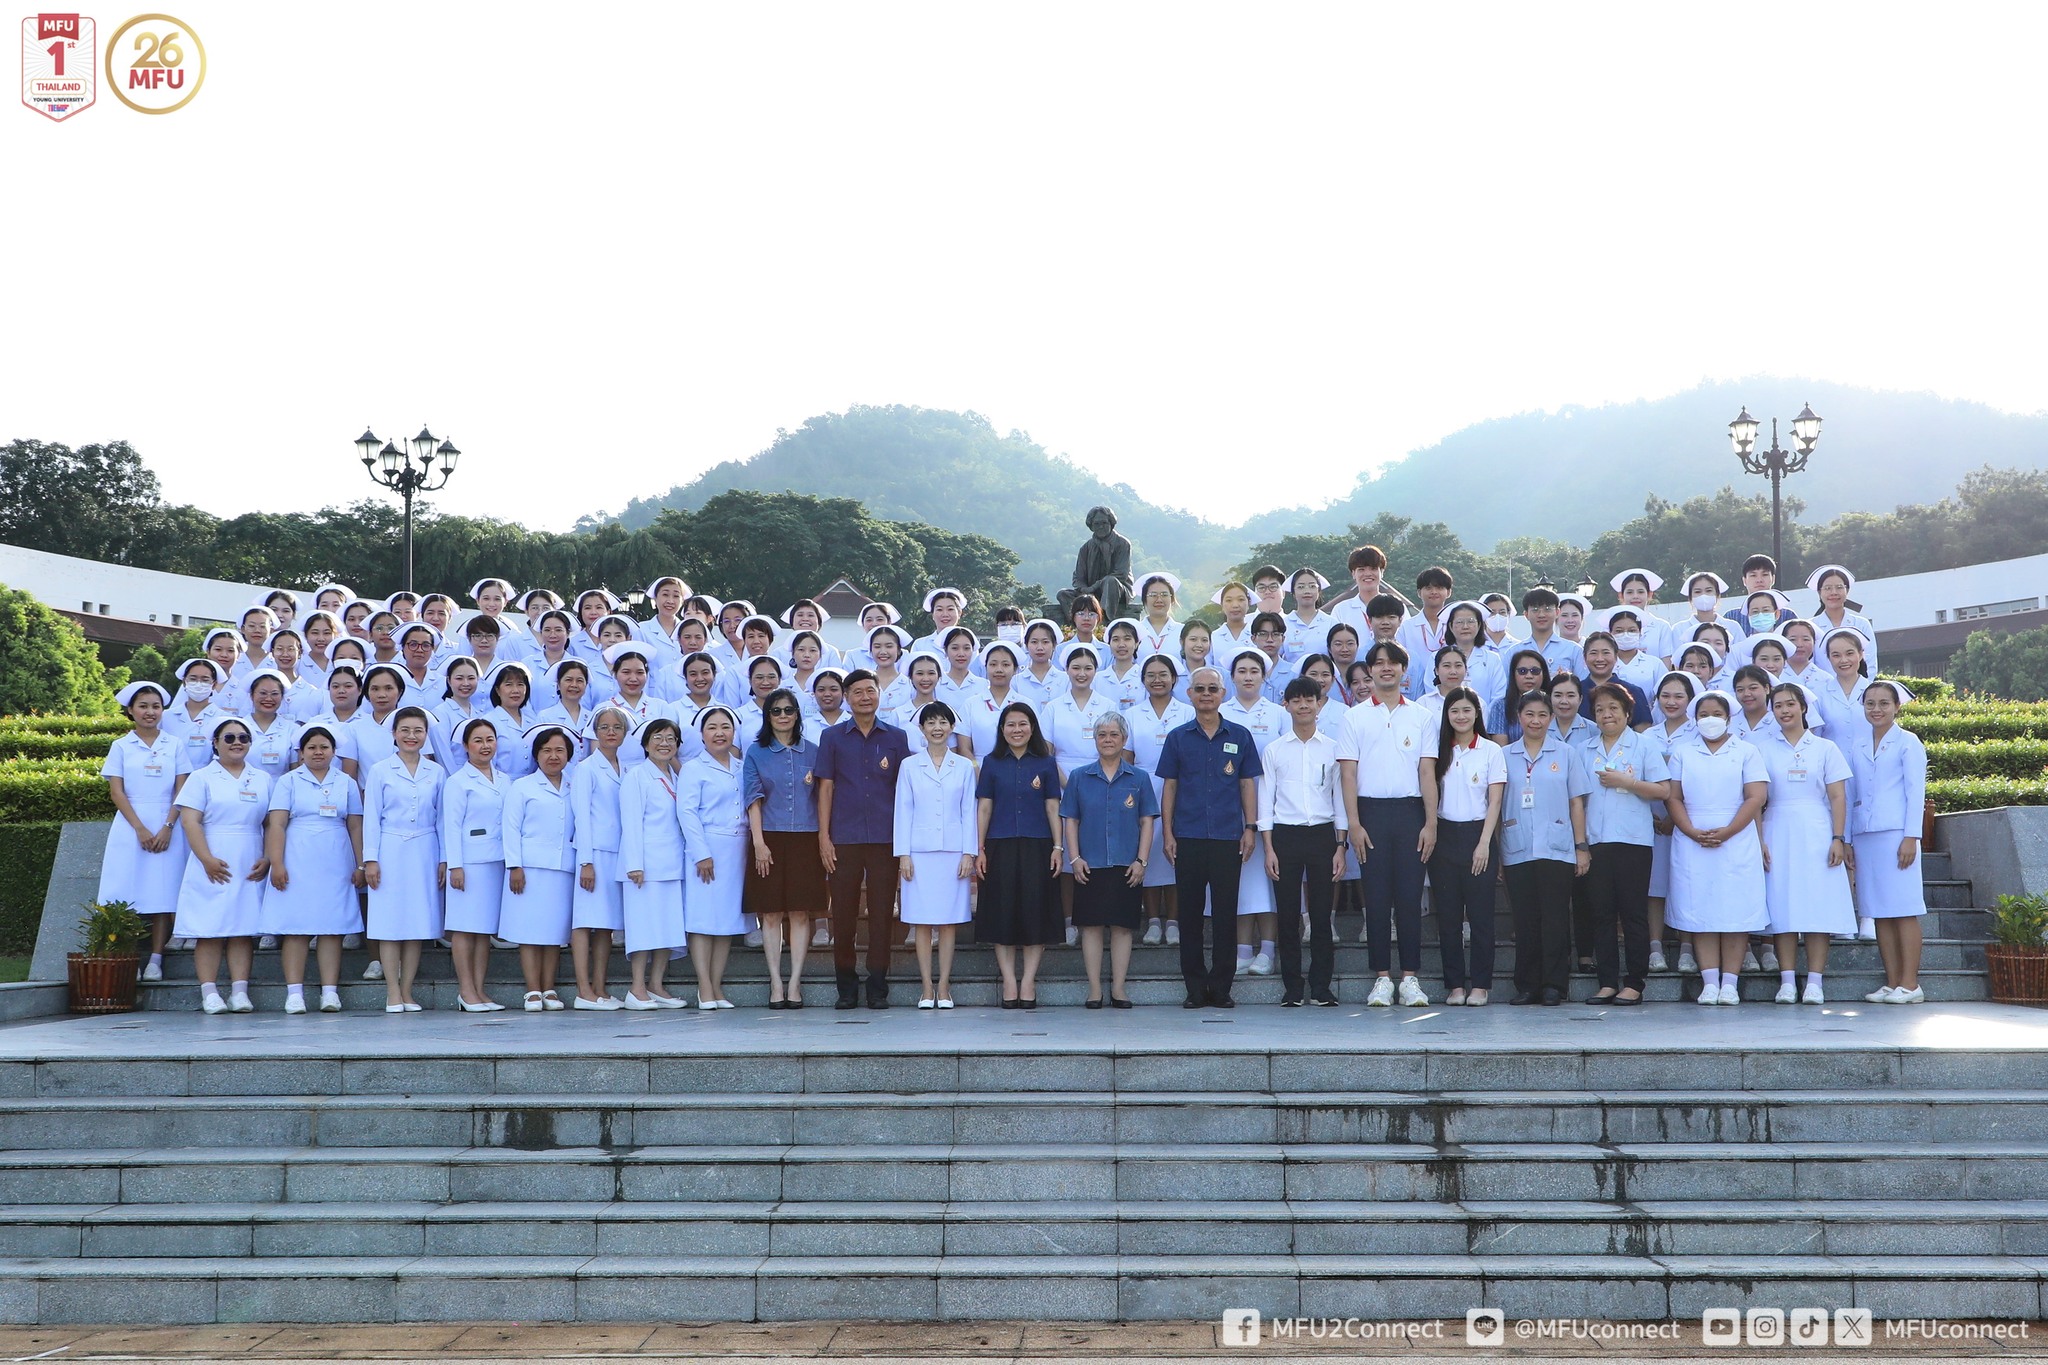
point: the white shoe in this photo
(1730, 993)
(1153, 933)
(1382, 993)
(1770, 959)
(351, 940)
(1411, 993)
(1749, 962)
(464, 1007)
(213, 1004)
(266, 941)
(534, 1005)
(1260, 965)
(1073, 935)
(753, 939)
(927, 1004)
(153, 972)
(551, 1002)
(1882, 995)
(1901, 996)
(497, 942)
(1866, 929)
(1364, 934)
(374, 972)
(723, 1004)
(945, 1003)
(238, 1003)
(1688, 965)
(670, 1002)
(1788, 994)
(410, 1007)
(1172, 933)
(295, 1004)
(823, 937)
(598, 1002)
(1710, 997)
(707, 1004)
(330, 1002)
(1657, 963)
(1813, 995)
(634, 1002)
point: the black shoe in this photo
(1013, 1004)
(878, 1002)
(1222, 1002)
(795, 1002)
(1552, 996)
(1196, 1000)
(1117, 1004)
(1325, 1000)
(1526, 998)
(1290, 1002)
(1094, 1004)
(1024, 1004)
(778, 1004)
(848, 1002)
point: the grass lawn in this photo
(13, 969)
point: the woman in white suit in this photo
(651, 866)
(473, 846)
(402, 864)
(540, 860)
(596, 911)
(935, 846)
(712, 811)
(1889, 794)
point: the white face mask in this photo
(1712, 727)
(198, 691)
(1011, 631)
(1704, 601)
(1628, 641)
(1497, 623)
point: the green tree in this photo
(95, 502)
(1715, 533)
(46, 663)
(1410, 548)
(148, 664)
(2012, 666)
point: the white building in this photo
(87, 587)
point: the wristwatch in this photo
(1582, 847)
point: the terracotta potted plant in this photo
(103, 976)
(2017, 956)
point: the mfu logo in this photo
(155, 64)
(58, 71)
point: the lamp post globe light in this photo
(392, 467)
(1775, 463)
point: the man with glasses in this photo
(1209, 808)
(858, 764)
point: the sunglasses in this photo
(1205, 687)
(782, 710)
(234, 739)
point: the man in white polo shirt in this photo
(1302, 818)
(1392, 815)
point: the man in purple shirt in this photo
(858, 764)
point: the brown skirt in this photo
(795, 883)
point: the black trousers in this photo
(1392, 875)
(1461, 896)
(876, 863)
(1540, 891)
(1305, 853)
(1619, 887)
(1583, 932)
(1207, 867)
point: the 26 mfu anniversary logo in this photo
(154, 64)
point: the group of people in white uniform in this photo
(533, 772)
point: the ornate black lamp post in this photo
(1775, 463)
(396, 472)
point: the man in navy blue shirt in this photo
(856, 771)
(1210, 808)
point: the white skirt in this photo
(1883, 891)
(1717, 890)
(406, 907)
(1802, 893)
(1254, 888)
(319, 895)
(714, 907)
(937, 893)
(476, 908)
(653, 916)
(540, 914)
(602, 908)
(147, 881)
(231, 909)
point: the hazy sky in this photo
(607, 246)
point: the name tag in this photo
(1230, 748)
(1528, 800)
(246, 794)
(1796, 774)
(329, 809)
(478, 833)
(153, 769)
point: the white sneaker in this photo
(267, 941)
(1172, 932)
(213, 1004)
(1866, 929)
(238, 1003)
(1260, 965)
(1411, 993)
(1882, 995)
(1153, 932)
(1813, 995)
(153, 972)
(295, 1004)
(330, 1002)
(1073, 935)
(351, 940)
(1770, 959)
(1730, 995)
(753, 939)
(1788, 994)
(1364, 934)
(374, 972)
(1657, 963)
(1710, 997)
(822, 936)
(1382, 993)
(1901, 996)
(1749, 962)
(1688, 965)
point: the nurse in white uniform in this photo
(1638, 589)
(191, 715)
(220, 899)
(1672, 706)
(1250, 706)
(540, 864)
(1718, 787)
(597, 912)
(1040, 677)
(999, 664)
(314, 840)
(146, 852)
(651, 866)
(1159, 713)
(402, 856)
(1890, 792)
(473, 846)
(1157, 594)
(1832, 584)
(712, 810)
(936, 836)
(1806, 843)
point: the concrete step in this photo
(621, 1123)
(1620, 1172)
(542, 1288)
(492, 1231)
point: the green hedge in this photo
(52, 790)
(64, 725)
(1924, 689)
(35, 744)
(1985, 725)
(1981, 793)
(27, 852)
(2026, 759)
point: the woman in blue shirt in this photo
(1889, 793)
(1543, 844)
(788, 885)
(1109, 812)
(1017, 800)
(1627, 774)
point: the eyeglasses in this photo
(1205, 687)
(782, 710)
(234, 739)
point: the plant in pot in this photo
(103, 973)
(2016, 959)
